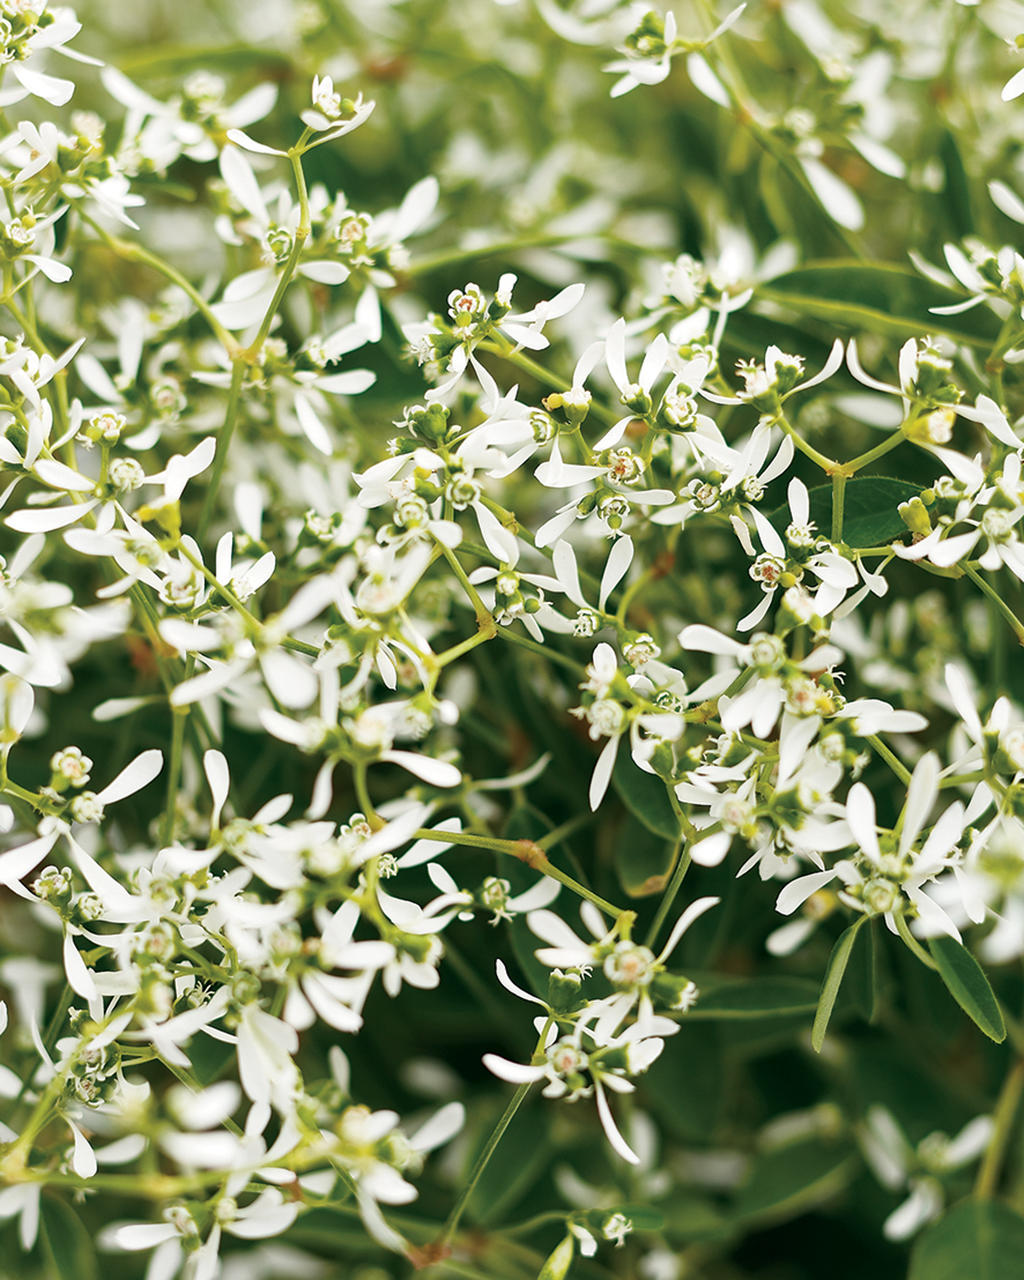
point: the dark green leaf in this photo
(864, 978)
(689, 1087)
(870, 510)
(645, 796)
(880, 297)
(968, 986)
(837, 963)
(975, 1240)
(957, 195)
(753, 997)
(642, 859)
(66, 1241)
(788, 1180)
(521, 1160)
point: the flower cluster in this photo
(363, 628)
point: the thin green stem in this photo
(179, 715)
(890, 758)
(567, 828)
(1016, 625)
(463, 647)
(224, 437)
(903, 929)
(879, 451)
(483, 614)
(483, 1159)
(546, 651)
(829, 465)
(363, 794)
(680, 867)
(240, 358)
(529, 852)
(291, 262)
(136, 253)
(1002, 1127)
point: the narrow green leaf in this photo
(880, 297)
(975, 1240)
(864, 978)
(833, 980)
(745, 998)
(956, 204)
(871, 515)
(557, 1265)
(968, 986)
(66, 1241)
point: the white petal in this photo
(693, 912)
(617, 565)
(796, 893)
(439, 773)
(860, 815)
(837, 199)
(618, 1143)
(83, 1161)
(133, 777)
(603, 771)
(513, 1072)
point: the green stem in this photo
(1003, 1118)
(679, 870)
(567, 828)
(136, 253)
(292, 261)
(545, 650)
(829, 465)
(363, 794)
(482, 1160)
(1016, 624)
(890, 758)
(464, 646)
(903, 929)
(879, 451)
(223, 444)
(838, 503)
(528, 852)
(179, 716)
(240, 358)
(483, 615)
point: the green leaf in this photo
(645, 795)
(880, 297)
(864, 977)
(975, 1240)
(743, 998)
(833, 979)
(968, 986)
(689, 1087)
(522, 1158)
(871, 515)
(642, 859)
(67, 1243)
(787, 1180)
(559, 1261)
(956, 202)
